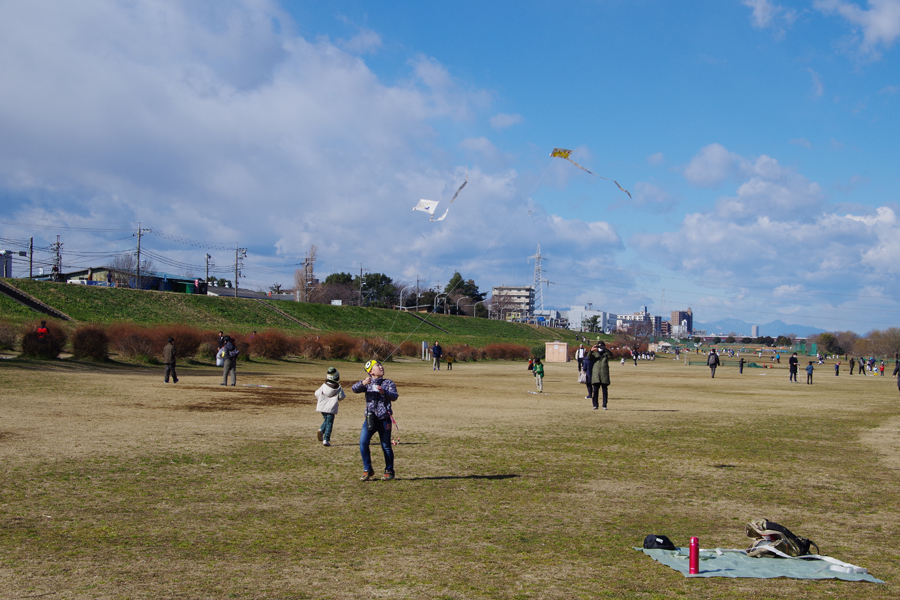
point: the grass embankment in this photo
(111, 305)
(121, 486)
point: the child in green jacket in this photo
(538, 369)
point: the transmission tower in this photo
(539, 280)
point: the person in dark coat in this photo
(170, 355)
(436, 353)
(712, 360)
(897, 374)
(598, 358)
(793, 364)
(229, 362)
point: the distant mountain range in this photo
(773, 329)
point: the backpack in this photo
(772, 539)
(233, 353)
(658, 542)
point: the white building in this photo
(578, 317)
(512, 302)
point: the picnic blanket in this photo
(723, 562)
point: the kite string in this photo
(489, 247)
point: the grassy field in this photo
(115, 485)
(110, 305)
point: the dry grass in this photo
(116, 485)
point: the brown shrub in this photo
(8, 335)
(337, 345)
(504, 351)
(270, 344)
(465, 353)
(187, 338)
(207, 351)
(309, 346)
(91, 342)
(369, 348)
(47, 348)
(133, 341)
(408, 348)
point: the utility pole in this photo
(361, 283)
(208, 257)
(417, 294)
(31, 258)
(57, 247)
(239, 255)
(140, 232)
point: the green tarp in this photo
(727, 563)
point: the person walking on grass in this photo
(712, 360)
(897, 373)
(380, 393)
(170, 355)
(229, 361)
(587, 365)
(598, 376)
(809, 373)
(837, 369)
(449, 360)
(862, 366)
(741, 365)
(538, 369)
(327, 398)
(793, 367)
(436, 353)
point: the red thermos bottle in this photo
(694, 557)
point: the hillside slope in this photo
(111, 305)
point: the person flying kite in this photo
(563, 153)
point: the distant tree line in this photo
(459, 296)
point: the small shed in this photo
(556, 352)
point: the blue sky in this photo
(756, 137)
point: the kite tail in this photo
(395, 440)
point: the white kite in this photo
(429, 206)
(563, 153)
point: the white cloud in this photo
(648, 194)
(712, 165)
(656, 159)
(801, 142)
(767, 15)
(365, 41)
(502, 121)
(880, 23)
(772, 190)
(817, 88)
(211, 123)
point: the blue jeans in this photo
(327, 425)
(384, 436)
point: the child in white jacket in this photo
(327, 398)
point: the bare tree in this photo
(124, 268)
(636, 337)
(886, 343)
(846, 341)
(327, 292)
